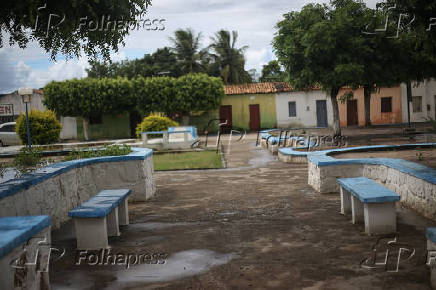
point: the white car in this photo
(8, 135)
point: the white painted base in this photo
(34, 275)
(113, 228)
(345, 201)
(432, 247)
(91, 233)
(357, 214)
(123, 212)
(380, 218)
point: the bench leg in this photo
(431, 247)
(380, 218)
(123, 212)
(113, 229)
(345, 201)
(356, 210)
(91, 233)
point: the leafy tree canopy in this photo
(70, 27)
(272, 72)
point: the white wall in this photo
(305, 118)
(69, 125)
(427, 90)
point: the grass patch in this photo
(187, 160)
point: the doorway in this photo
(226, 115)
(352, 117)
(254, 117)
(321, 114)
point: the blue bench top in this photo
(17, 230)
(101, 204)
(430, 233)
(368, 191)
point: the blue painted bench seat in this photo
(14, 231)
(101, 204)
(370, 202)
(100, 217)
(368, 191)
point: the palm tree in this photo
(186, 46)
(230, 59)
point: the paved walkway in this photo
(255, 225)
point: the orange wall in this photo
(377, 117)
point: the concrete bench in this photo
(370, 202)
(100, 217)
(24, 252)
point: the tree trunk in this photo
(409, 99)
(336, 119)
(85, 122)
(185, 119)
(367, 100)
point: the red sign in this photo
(6, 110)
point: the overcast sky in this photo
(253, 19)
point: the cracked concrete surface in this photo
(254, 225)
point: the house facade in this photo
(423, 103)
(303, 109)
(251, 106)
(386, 107)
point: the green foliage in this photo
(187, 160)
(229, 58)
(346, 96)
(154, 123)
(27, 159)
(272, 72)
(110, 150)
(186, 46)
(161, 62)
(88, 97)
(172, 96)
(71, 24)
(44, 127)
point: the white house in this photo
(11, 106)
(304, 109)
(423, 104)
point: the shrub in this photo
(154, 123)
(44, 127)
(27, 160)
(110, 150)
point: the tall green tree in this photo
(69, 27)
(229, 58)
(272, 72)
(161, 62)
(187, 47)
(412, 31)
(317, 46)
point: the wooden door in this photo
(254, 117)
(321, 114)
(226, 115)
(352, 117)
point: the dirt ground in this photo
(255, 225)
(425, 157)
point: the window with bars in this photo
(386, 105)
(417, 104)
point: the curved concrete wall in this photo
(57, 189)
